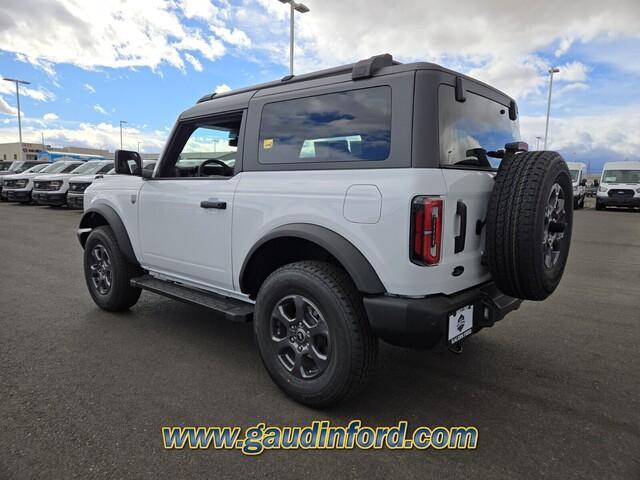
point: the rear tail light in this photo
(426, 230)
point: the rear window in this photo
(471, 129)
(336, 127)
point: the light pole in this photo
(546, 129)
(538, 142)
(121, 123)
(298, 7)
(139, 146)
(18, 82)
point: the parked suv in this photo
(370, 201)
(19, 187)
(10, 181)
(13, 168)
(52, 189)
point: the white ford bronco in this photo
(370, 201)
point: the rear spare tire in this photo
(529, 224)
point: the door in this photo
(185, 211)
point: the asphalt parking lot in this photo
(554, 389)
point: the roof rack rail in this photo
(367, 68)
(362, 69)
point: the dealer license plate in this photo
(460, 324)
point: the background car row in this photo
(56, 184)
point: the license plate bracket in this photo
(460, 324)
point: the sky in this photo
(93, 63)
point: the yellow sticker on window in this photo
(267, 143)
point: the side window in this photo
(354, 125)
(209, 149)
(105, 169)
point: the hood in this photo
(83, 178)
(19, 176)
(621, 186)
(54, 176)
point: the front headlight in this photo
(21, 183)
(637, 190)
(602, 188)
(55, 184)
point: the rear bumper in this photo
(75, 200)
(618, 201)
(424, 322)
(45, 198)
(18, 195)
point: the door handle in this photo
(461, 209)
(213, 204)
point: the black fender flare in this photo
(88, 222)
(354, 262)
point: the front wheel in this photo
(313, 334)
(108, 273)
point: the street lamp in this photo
(139, 146)
(301, 8)
(18, 82)
(121, 123)
(546, 129)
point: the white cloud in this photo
(572, 72)
(195, 63)
(616, 132)
(485, 37)
(222, 88)
(99, 109)
(6, 108)
(50, 117)
(234, 37)
(114, 33)
(93, 135)
(89, 88)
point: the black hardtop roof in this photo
(376, 65)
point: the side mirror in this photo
(147, 173)
(583, 182)
(128, 162)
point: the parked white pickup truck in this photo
(369, 201)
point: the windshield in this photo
(89, 168)
(470, 129)
(574, 175)
(36, 168)
(17, 167)
(59, 167)
(621, 176)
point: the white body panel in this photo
(179, 238)
(267, 200)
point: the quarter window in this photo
(336, 127)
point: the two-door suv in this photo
(370, 201)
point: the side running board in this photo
(231, 308)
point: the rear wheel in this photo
(529, 224)
(108, 273)
(312, 332)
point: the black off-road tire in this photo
(121, 295)
(517, 225)
(352, 347)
